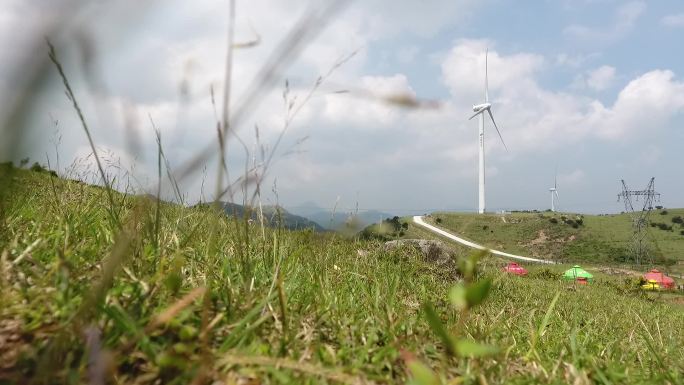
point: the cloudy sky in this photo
(592, 88)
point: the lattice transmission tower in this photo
(639, 248)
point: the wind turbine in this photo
(480, 110)
(554, 193)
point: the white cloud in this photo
(673, 21)
(597, 79)
(570, 179)
(362, 106)
(532, 117)
(575, 60)
(651, 154)
(601, 78)
(356, 141)
(425, 18)
(642, 106)
(625, 18)
(463, 70)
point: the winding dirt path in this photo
(418, 219)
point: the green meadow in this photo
(573, 238)
(135, 290)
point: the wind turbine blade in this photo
(556, 192)
(497, 128)
(486, 77)
(475, 114)
(555, 177)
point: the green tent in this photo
(577, 272)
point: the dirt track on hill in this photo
(418, 219)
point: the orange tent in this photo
(661, 279)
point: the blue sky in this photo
(593, 88)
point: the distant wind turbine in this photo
(554, 193)
(480, 110)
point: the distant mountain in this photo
(340, 220)
(306, 209)
(274, 216)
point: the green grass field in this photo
(94, 292)
(601, 239)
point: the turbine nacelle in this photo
(481, 107)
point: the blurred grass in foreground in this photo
(192, 301)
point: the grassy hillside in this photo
(571, 237)
(274, 216)
(96, 292)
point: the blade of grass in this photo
(53, 57)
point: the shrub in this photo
(5, 170)
(653, 224)
(393, 223)
(681, 232)
(438, 220)
(546, 273)
(386, 230)
(37, 167)
(553, 220)
(628, 285)
(662, 260)
(677, 219)
(664, 212)
(620, 257)
(485, 227)
(664, 227)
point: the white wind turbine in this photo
(554, 193)
(480, 110)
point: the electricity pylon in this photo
(639, 249)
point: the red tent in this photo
(663, 280)
(514, 268)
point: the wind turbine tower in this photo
(554, 193)
(480, 110)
